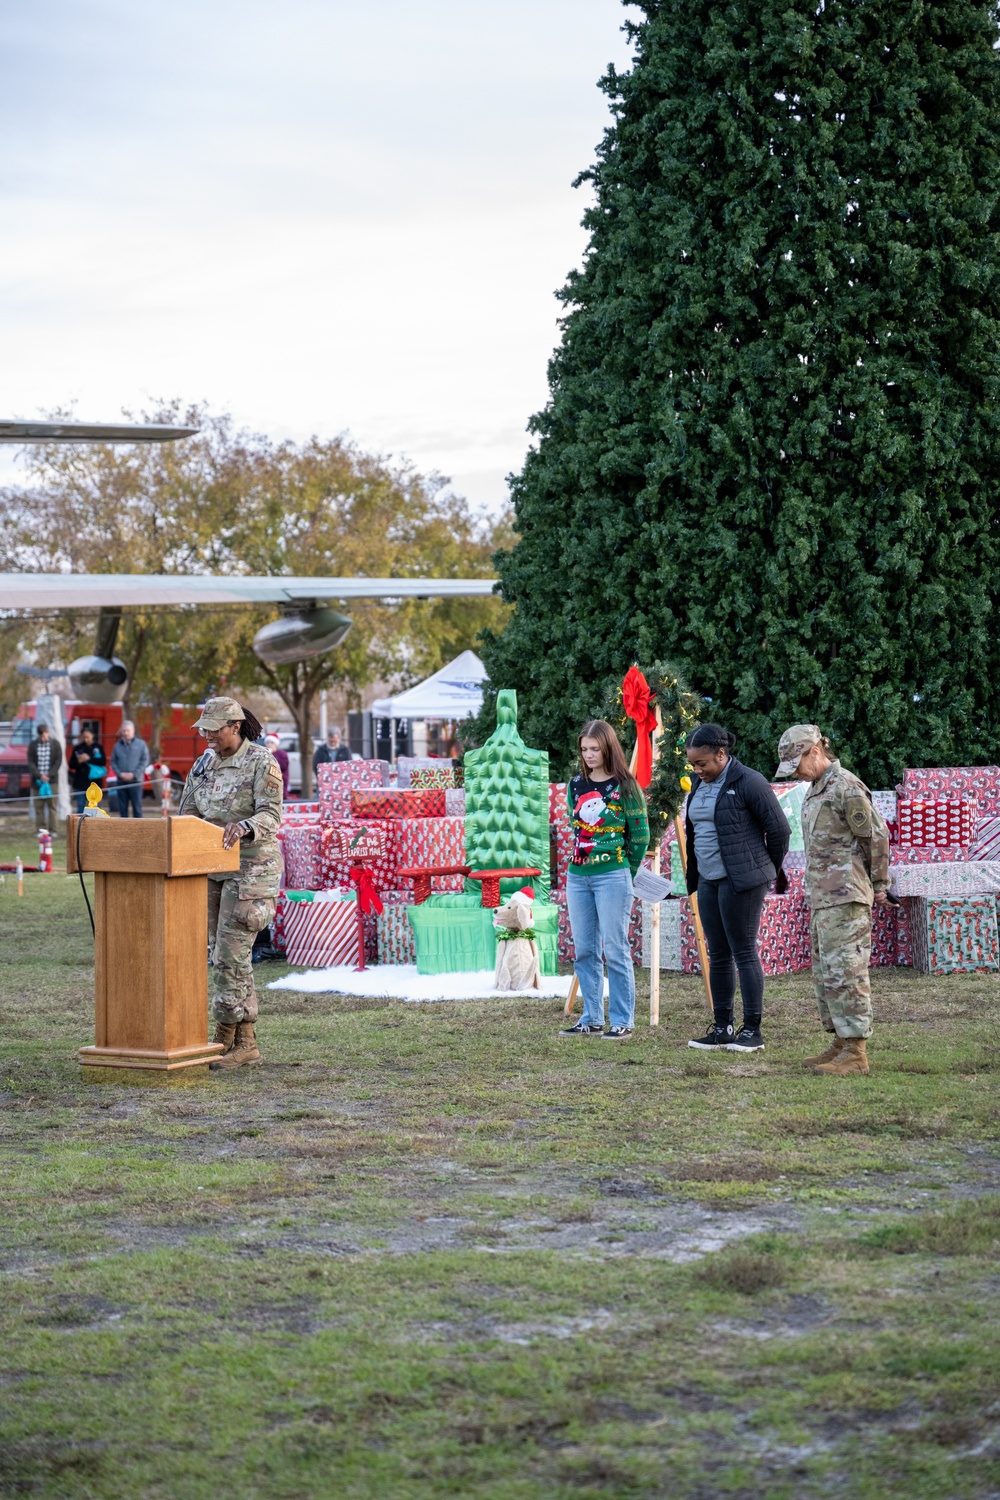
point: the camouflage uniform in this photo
(244, 787)
(847, 862)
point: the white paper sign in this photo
(650, 887)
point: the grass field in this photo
(437, 1251)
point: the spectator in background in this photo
(129, 760)
(281, 756)
(44, 754)
(87, 764)
(332, 750)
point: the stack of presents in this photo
(441, 857)
(944, 831)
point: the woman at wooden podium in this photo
(237, 786)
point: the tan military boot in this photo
(851, 1059)
(825, 1056)
(224, 1034)
(244, 1050)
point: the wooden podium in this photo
(151, 937)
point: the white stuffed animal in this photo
(517, 952)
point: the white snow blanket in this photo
(402, 982)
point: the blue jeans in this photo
(599, 907)
(130, 795)
(81, 801)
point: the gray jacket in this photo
(130, 756)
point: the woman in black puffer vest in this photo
(737, 838)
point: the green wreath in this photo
(681, 710)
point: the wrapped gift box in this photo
(952, 936)
(335, 864)
(395, 941)
(565, 945)
(980, 782)
(670, 934)
(324, 932)
(278, 924)
(947, 822)
(431, 841)
(925, 854)
(454, 802)
(885, 936)
(294, 816)
(336, 778)
(560, 833)
(561, 851)
(302, 851)
(426, 778)
(974, 878)
(987, 844)
(407, 764)
(791, 795)
(885, 803)
(367, 803)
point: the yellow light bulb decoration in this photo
(685, 783)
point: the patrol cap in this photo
(219, 711)
(793, 745)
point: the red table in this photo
(491, 881)
(421, 875)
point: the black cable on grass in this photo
(83, 886)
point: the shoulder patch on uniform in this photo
(859, 816)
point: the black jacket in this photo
(324, 756)
(753, 831)
(54, 760)
(80, 770)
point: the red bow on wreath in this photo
(368, 896)
(637, 700)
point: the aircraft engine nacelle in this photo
(98, 679)
(300, 636)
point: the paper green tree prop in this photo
(507, 803)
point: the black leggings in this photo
(731, 920)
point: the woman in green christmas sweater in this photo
(610, 836)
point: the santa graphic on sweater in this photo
(589, 808)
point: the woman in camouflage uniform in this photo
(237, 786)
(847, 871)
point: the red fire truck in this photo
(180, 745)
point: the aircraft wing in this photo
(88, 432)
(117, 590)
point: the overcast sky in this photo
(320, 216)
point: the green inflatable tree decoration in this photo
(772, 448)
(507, 804)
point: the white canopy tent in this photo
(453, 693)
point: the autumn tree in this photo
(231, 502)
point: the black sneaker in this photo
(582, 1028)
(714, 1038)
(747, 1039)
(618, 1033)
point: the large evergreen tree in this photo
(772, 448)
